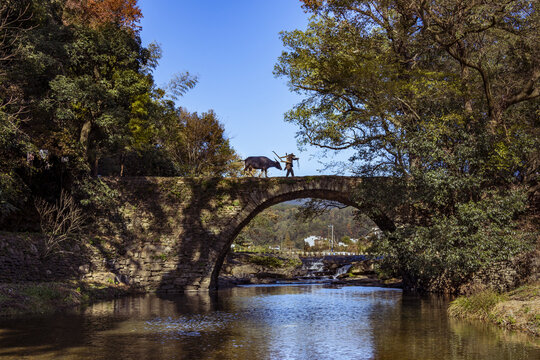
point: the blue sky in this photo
(232, 47)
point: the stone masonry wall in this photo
(172, 234)
(176, 232)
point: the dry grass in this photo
(518, 309)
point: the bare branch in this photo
(60, 222)
(316, 207)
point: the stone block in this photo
(180, 281)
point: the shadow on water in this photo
(130, 328)
(422, 322)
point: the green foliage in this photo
(96, 194)
(12, 193)
(198, 146)
(478, 306)
(517, 309)
(42, 292)
(440, 94)
(180, 84)
(445, 253)
(14, 21)
(101, 101)
(76, 81)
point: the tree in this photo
(198, 145)
(442, 94)
(102, 93)
(14, 21)
(96, 13)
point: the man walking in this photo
(289, 158)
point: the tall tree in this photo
(102, 92)
(198, 145)
(442, 94)
(15, 19)
(95, 13)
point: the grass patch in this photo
(42, 292)
(518, 309)
(36, 298)
(274, 262)
(478, 306)
(266, 261)
(293, 262)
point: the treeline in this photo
(443, 95)
(282, 225)
(78, 99)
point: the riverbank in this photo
(30, 298)
(518, 309)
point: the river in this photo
(264, 322)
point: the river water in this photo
(264, 322)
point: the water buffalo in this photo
(260, 162)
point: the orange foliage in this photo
(126, 13)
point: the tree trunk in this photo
(84, 139)
(85, 135)
(95, 166)
(122, 159)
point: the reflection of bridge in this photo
(179, 230)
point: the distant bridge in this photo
(177, 231)
(310, 254)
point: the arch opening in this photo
(373, 213)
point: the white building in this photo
(310, 240)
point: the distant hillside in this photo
(278, 225)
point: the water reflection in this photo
(264, 322)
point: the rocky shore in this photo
(250, 268)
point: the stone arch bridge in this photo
(173, 233)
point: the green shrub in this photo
(445, 253)
(96, 194)
(293, 263)
(42, 292)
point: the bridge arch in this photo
(377, 215)
(177, 231)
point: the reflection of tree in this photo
(488, 340)
(419, 328)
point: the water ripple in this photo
(193, 325)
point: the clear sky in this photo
(232, 47)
